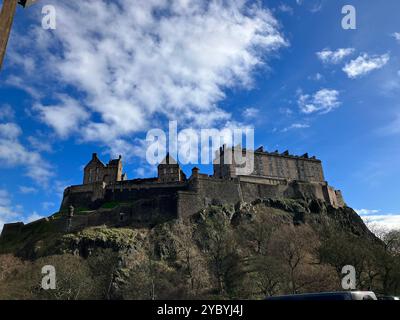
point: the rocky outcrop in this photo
(47, 238)
(83, 243)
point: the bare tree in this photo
(294, 246)
(190, 255)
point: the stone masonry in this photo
(275, 175)
(171, 194)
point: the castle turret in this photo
(97, 171)
(170, 171)
(195, 172)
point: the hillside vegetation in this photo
(247, 251)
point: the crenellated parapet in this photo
(274, 175)
(269, 164)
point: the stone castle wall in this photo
(205, 191)
(147, 202)
(147, 196)
(94, 195)
(287, 167)
(273, 165)
(119, 202)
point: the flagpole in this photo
(6, 19)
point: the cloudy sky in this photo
(112, 70)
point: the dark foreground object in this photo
(327, 296)
(199, 309)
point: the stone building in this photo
(170, 171)
(274, 175)
(269, 165)
(97, 171)
(171, 194)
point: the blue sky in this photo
(112, 70)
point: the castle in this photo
(274, 175)
(107, 197)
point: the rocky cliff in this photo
(248, 250)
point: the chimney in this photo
(195, 172)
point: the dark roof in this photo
(169, 160)
(115, 162)
(95, 159)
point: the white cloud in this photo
(145, 171)
(383, 221)
(285, 8)
(33, 217)
(392, 128)
(329, 56)
(40, 143)
(250, 113)
(27, 190)
(378, 220)
(9, 130)
(311, 5)
(396, 35)
(316, 8)
(64, 118)
(366, 211)
(316, 77)
(365, 64)
(132, 61)
(47, 205)
(296, 126)
(323, 101)
(286, 111)
(19, 83)
(14, 153)
(6, 112)
(8, 212)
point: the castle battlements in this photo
(274, 175)
(108, 197)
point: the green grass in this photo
(43, 231)
(110, 205)
(113, 204)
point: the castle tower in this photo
(113, 170)
(93, 170)
(97, 171)
(224, 163)
(170, 171)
